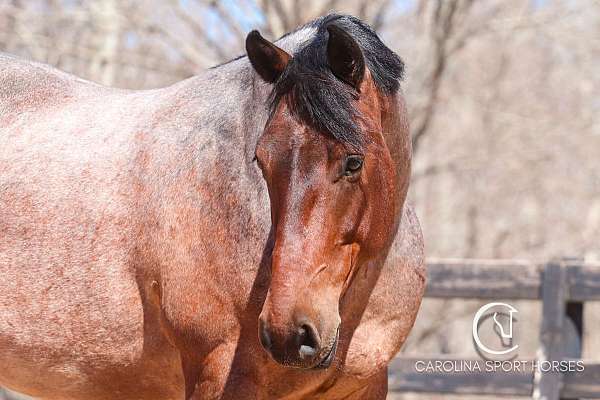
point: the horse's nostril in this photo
(263, 335)
(308, 341)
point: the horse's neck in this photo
(233, 99)
(228, 103)
(208, 127)
(201, 147)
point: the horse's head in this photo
(336, 189)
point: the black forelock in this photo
(315, 96)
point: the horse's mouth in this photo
(328, 358)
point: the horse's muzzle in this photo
(302, 348)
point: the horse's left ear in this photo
(345, 57)
(266, 58)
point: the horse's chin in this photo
(329, 357)
(328, 354)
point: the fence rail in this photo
(490, 279)
(561, 285)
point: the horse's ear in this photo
(345, 57)
(266, 58)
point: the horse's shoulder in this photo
(399, 290)
(408, 248)
(404, 275)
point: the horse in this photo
(242, 234)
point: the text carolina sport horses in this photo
(242, 234)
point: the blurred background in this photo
(503, 98)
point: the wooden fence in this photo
(562, 285)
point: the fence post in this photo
(547, 385)
(574, 322)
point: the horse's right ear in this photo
(266, 58)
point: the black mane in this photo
(317, 97)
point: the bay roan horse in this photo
(242, 234)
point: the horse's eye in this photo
(352, 165)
